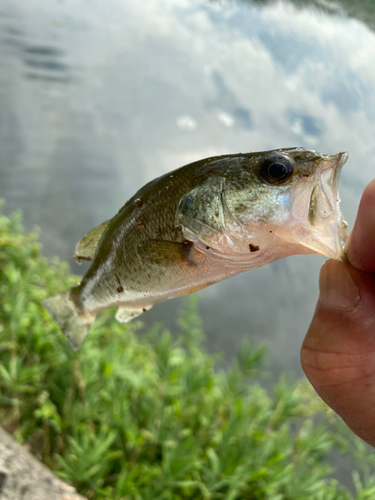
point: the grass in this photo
(153, 417)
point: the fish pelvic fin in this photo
(75, 326)
(125, 315)
(86, 247)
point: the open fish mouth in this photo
(329, 173)
(324, 212)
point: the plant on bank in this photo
(152, 417)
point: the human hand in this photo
(338, 353)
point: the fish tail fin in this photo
(64, 311)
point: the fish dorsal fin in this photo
(86, 248)
(164, 253)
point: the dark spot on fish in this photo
(138, 202)
(207, 248)
(270, 231)
(253, 248)
(139, 224)
(144, 310)
(158, 233)
(119, 288)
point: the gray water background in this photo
(98, 97)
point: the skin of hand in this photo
(338, 353)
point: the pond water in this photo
(97, 98)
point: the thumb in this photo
(338, 353)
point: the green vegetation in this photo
(363, 10)
(153, 418)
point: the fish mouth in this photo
(329, 171)
(324, 214)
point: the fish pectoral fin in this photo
(86, 248)
(165, 253)
(125, 315)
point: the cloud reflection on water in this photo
(149, 86)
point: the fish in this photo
(203, 223)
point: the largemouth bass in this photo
(200, 224)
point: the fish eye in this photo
(276, 169)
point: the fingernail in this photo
(337, 288)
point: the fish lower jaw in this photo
(332, 247)
(327, 240)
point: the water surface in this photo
(97, 98)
